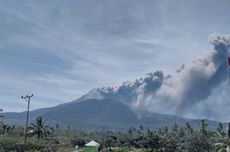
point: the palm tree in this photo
(4, 128)
(39, 128)
(1, 116)
(189, 129)
(220, 130)
(1, 121)
(203, 128)
(149, 133)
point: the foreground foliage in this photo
(167, 139)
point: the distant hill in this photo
(100, 114)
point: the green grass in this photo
(90, 149)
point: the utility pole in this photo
(228, 65)
(27, 99)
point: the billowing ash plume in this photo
(195, 82)
(188, 93)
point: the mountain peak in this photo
(128, 91)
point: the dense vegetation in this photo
(174, 139)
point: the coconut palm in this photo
(1, 116)
(1, 121)
(203, 128)
(39, 128)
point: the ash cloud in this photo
(192, 86)
(198, 89)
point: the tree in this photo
(1, 122)
(166, 130)
(1, 117)
(149, 133)
(228, 143)
(152, 141)
(175, 130)
(199, 144)
(188, 128)
(181, 132)
(39, 128)
(203, 128)
(229, 130)
(4, 129)
(220, 129)
(130, 131)
(141, 127)
(160, 132)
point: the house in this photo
(92, 146)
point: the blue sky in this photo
(60, 49)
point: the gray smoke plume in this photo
(197, 89)
(193, 84)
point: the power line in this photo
(27, 99)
